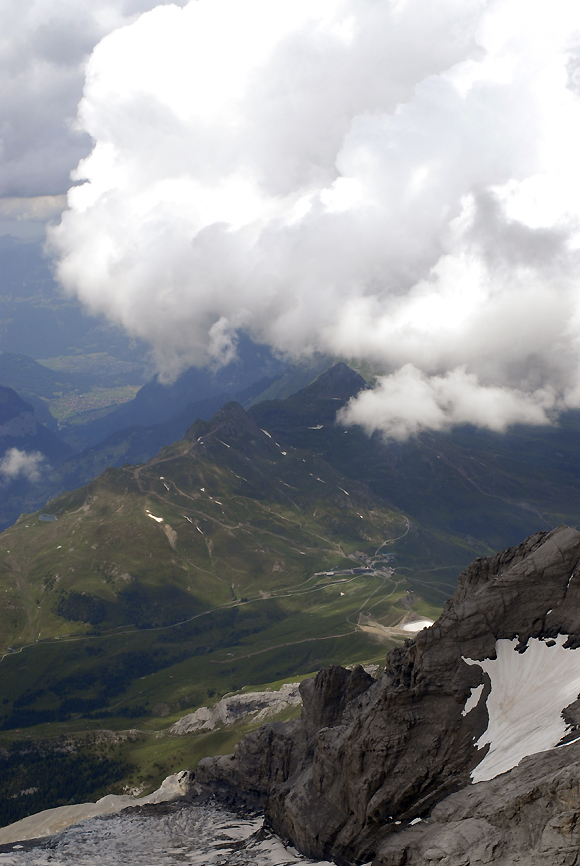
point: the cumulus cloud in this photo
(403, 404)
(21, 464)
(395, 181)
(44, 45)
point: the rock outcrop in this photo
(231, 709)
(351, 779)
(529, 816)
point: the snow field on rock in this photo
(528, 693)
(473, 699)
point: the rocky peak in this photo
(367, 760)
(340, 382)
(326, 696)
(231, 424)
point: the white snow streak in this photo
(473, 700)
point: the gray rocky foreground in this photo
(529, 816)
(381, 770)
(52, 821)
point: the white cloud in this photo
(44, 45)
(17, 464)
(393, 181)
(403, 404)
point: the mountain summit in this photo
(313, 408)
(339, 382)
(386, 768)
(231, 422)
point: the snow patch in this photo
(528, 693)
(418, 625)
(473, 700)
(152, 516)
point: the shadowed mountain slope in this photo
(138, 444)
(25, 485)
(469, 488)
(20, 429)
(157, 402)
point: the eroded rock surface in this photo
(369, 757)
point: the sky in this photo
(390, 180)
(44, 47)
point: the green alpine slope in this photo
(199, 571)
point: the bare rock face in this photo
(530, 816)
(368, 758)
